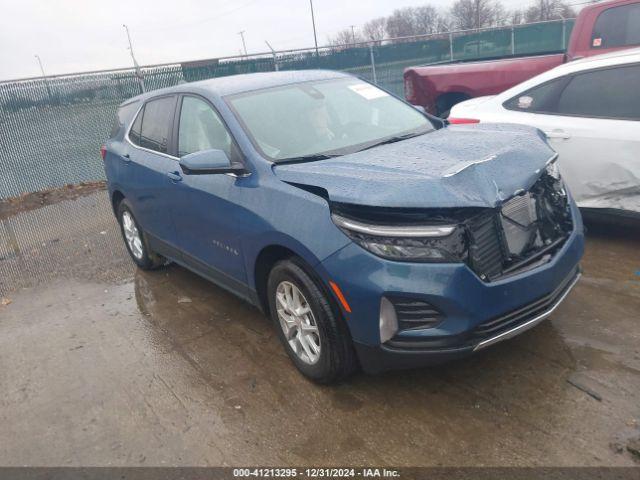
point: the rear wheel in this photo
(135, 240)
(313, 334)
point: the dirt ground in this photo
(102, 364)
(33, 200)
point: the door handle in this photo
(558, 134)
(126, 157)
(174, 176)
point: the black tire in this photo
(446, 102)
(148, 260)
(337, 357)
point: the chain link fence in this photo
(52, 128)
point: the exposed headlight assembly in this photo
(553, 171)
(409, 243)
(552, 168)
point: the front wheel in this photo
(312, 332)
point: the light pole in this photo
(135, 63)
(353, 33)
(244, 45)
(478, 27)
(273, 52)
(564, 27)
(44, 76)
(41, 67)
(313, 22)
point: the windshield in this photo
(319, 118)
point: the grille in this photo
(485, 250)
(413, 314)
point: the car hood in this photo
(457, 166)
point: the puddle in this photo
(120, 368)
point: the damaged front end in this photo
(520, 234)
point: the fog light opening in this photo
(388, 320)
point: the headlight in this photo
(424, 243)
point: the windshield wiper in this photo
(324, 156)
(308, 158)
(397, 138)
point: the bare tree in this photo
(445, 23)
(401, 23)
(413, 21)
(426, 19)
(374, 30)
(346, 37)
(543, 10)
(472, 14)
(464, 15)
(517, 17)
(501, 16)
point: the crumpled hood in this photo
(458, 166)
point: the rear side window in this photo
(605, 93)
(123, 115)
(156, 124)
(540, 99)
(610, 93)
(617, 27)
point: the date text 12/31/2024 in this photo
(316, 472)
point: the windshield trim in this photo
(331, 153)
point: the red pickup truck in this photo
(600, 28)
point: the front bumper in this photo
(396, 355)
(476, 313)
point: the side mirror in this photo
(209, 162)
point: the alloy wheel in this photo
(298, 323)
(132, 235)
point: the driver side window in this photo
(201, 128)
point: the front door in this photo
(207, 217)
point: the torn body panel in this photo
(478, 166)
(524, 232)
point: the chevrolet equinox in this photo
(373, 234)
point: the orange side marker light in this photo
(338, 292)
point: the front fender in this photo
(277, 239)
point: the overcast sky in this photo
(81, 35)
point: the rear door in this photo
(151, 168)
(592, 119)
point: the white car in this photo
(589, 110)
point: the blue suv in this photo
(372, 234)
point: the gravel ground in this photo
(73, 235)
